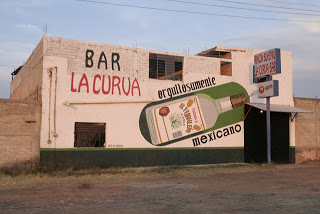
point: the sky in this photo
(180, 26)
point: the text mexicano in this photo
(211, 136)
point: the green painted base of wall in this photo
(85, 158)
(292, 154)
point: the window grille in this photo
(165, 67)
(89, 134)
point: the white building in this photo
(113, 105)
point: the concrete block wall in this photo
(69, 59)
(19, 131)
(307, 130)
(27, 83)
(69, 56)
(134, 61)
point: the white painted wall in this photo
(120, 112)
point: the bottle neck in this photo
(224, 104)
(228, 103)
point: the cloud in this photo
(303, 44)
(12, 55)
(236, 39)
(23, 8)
(30, 28)
(303, 40)
(312, 27)
(136, 17)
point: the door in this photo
(255, 136)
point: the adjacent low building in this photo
(109, 105)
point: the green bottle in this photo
(178, 118)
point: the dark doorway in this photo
(89, 134)
(255, 136)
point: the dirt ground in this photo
(285, 189)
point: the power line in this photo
(241, 8)
(199, 13)
(264, 5)
(286, 2)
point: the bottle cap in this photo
(238, 100)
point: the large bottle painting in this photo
(172, 120)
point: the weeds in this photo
(56, 171)
(165, 169)
(37, 175)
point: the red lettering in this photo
(72, 88)
(137, 86)
(103, 91)
(128, 87)
(258, 58)
(84, 78)
(94, 84)
(124, 91)
(194, 115)
(273, 53)
(115, 84)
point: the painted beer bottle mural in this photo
(175, 119)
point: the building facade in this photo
(113, 105)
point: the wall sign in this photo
(103, 84)
(267, 63)
(187, 116)
(268, 89)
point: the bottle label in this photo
(178, 118)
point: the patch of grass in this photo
(56, 171)
(31, 176)
(207, 170)
(165, 169)
(24, 179)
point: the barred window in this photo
(165, 67)
(89, 134)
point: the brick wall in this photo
(134, 62)
(19, 131)
(307, 130)
(27, 83)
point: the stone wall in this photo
(307, 130)
(19, 132)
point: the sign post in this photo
(266, 64)
(268, 128)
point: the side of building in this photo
(307, 130)
(19, 132)
(113, 104)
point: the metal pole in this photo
(268, 128)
